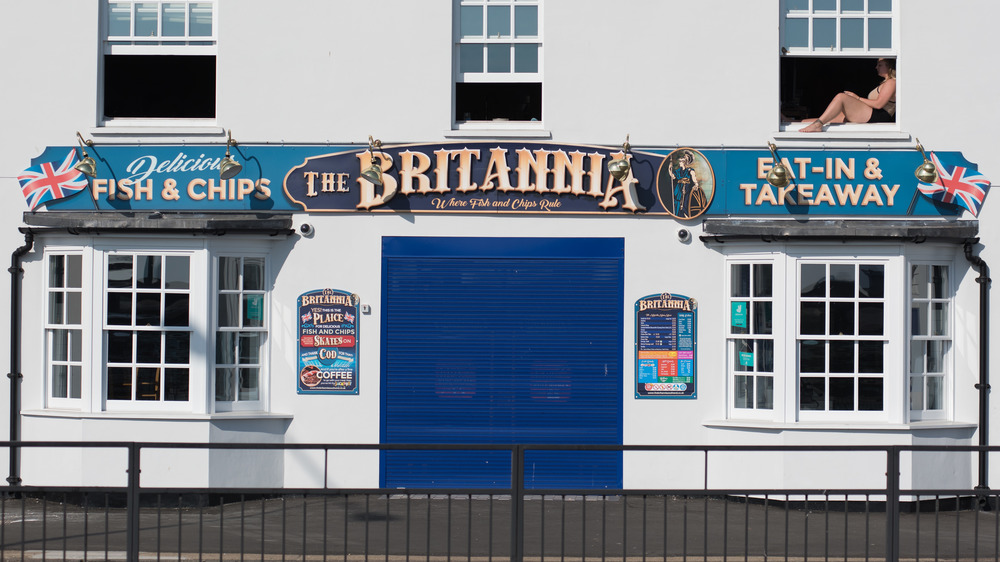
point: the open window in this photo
(498, 74)
(159, 59)
(829, 46)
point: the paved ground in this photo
(477, 529)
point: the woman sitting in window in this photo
(878, 107)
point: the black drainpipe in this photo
(15, 357)
(984, 366)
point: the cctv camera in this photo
(306, 229)
(683, 234)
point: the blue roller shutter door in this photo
(501, 341)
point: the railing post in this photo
(132, 505)
(517, 503)
(892, 504)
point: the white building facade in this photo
(425, 243)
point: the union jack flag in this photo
(957, 185)
(348, 317)
(49, 181)
(306, 317)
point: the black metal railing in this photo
(141, 520)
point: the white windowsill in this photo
(166, 416)
(166, 129)
(498, 129)
(837, 426)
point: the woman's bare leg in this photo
(841, 108)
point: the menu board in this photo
(666, 327)
(328, 342)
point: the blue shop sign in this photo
(499, 178)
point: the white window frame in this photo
(810, 14)
(202, 302)
(486, 77)
(52, 401)
(948, 361)
(786, 260)
(133, 44)
(238, 405)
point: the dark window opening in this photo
(170, 86)
(809, 83)
(498, 101)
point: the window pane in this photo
(841, 393)
(178, 347)
(852, 33)
(935, 393)
(119, 383)
(75, 345)
(824, 33)
(796, 32)
(225, 347)
(470, 58)
(765, 356)
(248, 384)
(842, 280)
(498, 21)
(176, 385)
(119, 347)
(60, 345)
(939, 319)
(253, 311)
(796, 4)
(743, 391)
(229, 274)
(201, 20)
(75, 382)
(526, 57)
(145, 19)
(173, 19)
(250, 348)
(119, 271)
(841, 356)
(74, 271)
(879, 5)
(872, 282)
(762, 280)
(225, 390)
(824, 5)
(120, 309)
(852, 5)
(147, 309)
(57, 271)
(498, 57)
(175, 312)
(939, 282)
(253, 274)
(870, 394)
(813, 280)
(74, 308)
(812, 356)
(813, 319)
(229, 310)
(526, 21)
(916, 393)
(762, 318)
(147, 384)
(841, 318)
(880, 33)
(471, 21)
(119, 19)
(56, 307)
(60, 381)
(147, 275)
(935, 356)
(147, 347)
(765, 393)
(178, 273)
(870, 319)
(917, 349)
(918, 319)
(740, 282)
(870, 356)
(918, 281)
(744, 349)
(812, 393)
